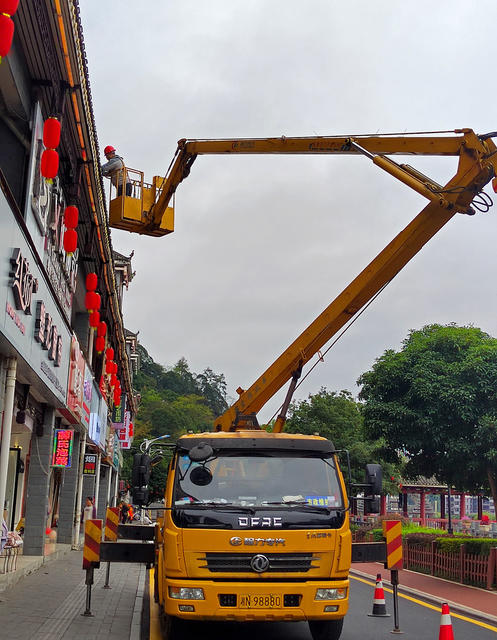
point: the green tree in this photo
(337, 417)
(173, 400)
(212, 387)
(435, 402)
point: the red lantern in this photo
(94, 319)
(70, 240)
(9, 6)
(109, 354)
(51, 133)
(7, 9)
(102, 329)
(90, 301)
(91, 282)
(99, 343)
(49, 163)
(113, 380)
(98, 301)
(117, 399)
(130, 429)
(71, 215)
(114, 367)
(109, 367)
(6, 34)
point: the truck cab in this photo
(256, 528)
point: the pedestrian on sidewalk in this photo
(124, 513)
(89, 513)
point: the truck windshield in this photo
(259, 481)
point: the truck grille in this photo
(240, 562)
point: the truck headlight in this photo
(186, 593)
(331, 594)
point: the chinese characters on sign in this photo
(23, 283)
(62, 268)
(90, 464)
(47, 335)
(123, 433)
(62, 448)
(76, 379)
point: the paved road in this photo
(418, 620)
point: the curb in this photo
(454, 606)
(136, 622)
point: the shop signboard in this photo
(45, 205)
(118, 422)
(39, 191)
(115, 456)
(74, 411)
(122, 436)
(95, 427)
(118, 413)
(30, 318)
(87, 397)
(123, 432)
(89, 464)
(102, 412)
(62, 448)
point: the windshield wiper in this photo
(302, 504)
(222, 505)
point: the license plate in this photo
(251, 601)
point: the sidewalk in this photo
(461, 598)
(47, 605)
(28, 564)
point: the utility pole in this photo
(450, 531)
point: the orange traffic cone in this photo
(379, 606)
(446, 632)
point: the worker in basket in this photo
(114, 169)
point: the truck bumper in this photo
(241, 601)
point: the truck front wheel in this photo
(172, 628)
(325, 629)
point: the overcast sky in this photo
(263, 244)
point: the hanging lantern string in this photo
(49, 165)
(71, 216)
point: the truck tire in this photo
(172, 628)
(326, 629)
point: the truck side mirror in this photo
(374, 478)
(201, 452)
(201, 476)
(372, 506)
(140, 475)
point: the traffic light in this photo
(140, 477)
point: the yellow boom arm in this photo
(477, 165)
(375, 147)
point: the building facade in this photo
(65, 376)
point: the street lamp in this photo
(146, 444)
